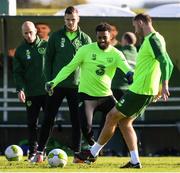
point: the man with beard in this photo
(98, 62)
(150, 82)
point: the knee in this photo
(112, 117)
(125, 125)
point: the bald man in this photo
(29, 79)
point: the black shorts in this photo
(103, 104)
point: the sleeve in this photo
(162, 56)
(88, 40)
(122, 63)
(49, 58)
(18, 72)
(69, 68)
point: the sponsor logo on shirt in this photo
(101, 70)
(41, 50)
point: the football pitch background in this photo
(103, 164)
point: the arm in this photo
(18, 73)
(69, 68)
(166, 66)
(21, 96)
(125, 67)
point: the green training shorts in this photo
(132, 104)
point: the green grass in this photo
(103, 164)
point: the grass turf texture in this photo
(103, 164)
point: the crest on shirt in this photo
(28, 54)
(109, 59)
(77, 43)
(94, 56)
(29, 103)
(41, 50)
(62, 42)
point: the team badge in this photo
(41, 50)
(109, 59)
(77, 43)
(29, 103)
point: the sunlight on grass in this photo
(103, 164)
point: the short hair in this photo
(42, 23)
(103, 27)
(130, 37)
(144, 17)
(71, 10)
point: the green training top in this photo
(97, 69)
(28, 66)
(60, 51)
(153, 65)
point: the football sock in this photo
(134, 156)
(95, 149)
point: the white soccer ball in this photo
(13, 153)
(57, 158)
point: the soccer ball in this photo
(13, 153)
(57, 158)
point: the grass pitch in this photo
(103, 164)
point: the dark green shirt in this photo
(119, 81)
(60, 52)
(28, 66)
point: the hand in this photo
(165, 90)
(21, 96)
(158, 96)
(49, 88)
(129, 77)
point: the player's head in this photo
(128, 38)
(71, 18)
(114, 32)
(103, 35)
(141, 22)
(29, 31)
(43, 30)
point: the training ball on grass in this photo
(13, 153)
(57, 158)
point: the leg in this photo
(128, 132)
(33, 109)
(52, 106)
(86, 111)
(107, 132)
(110, 125)
(75, 120)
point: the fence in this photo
(159, 115)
